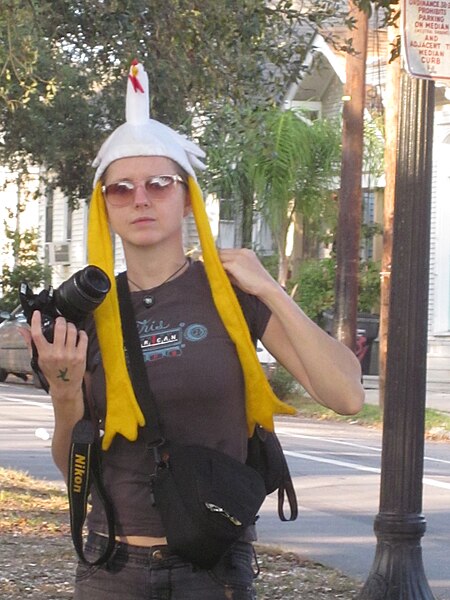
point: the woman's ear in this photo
(187, 205)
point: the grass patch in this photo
(37, 560)
(287, 575)
(31, 506)
(437, 424)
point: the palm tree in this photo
(274, 161)
(294, 169)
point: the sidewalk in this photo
(437, 395)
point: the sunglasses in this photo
(158, 187)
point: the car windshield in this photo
(16, 315)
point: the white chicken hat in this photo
(142, 136)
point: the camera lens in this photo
(82, 293)
(94, 282)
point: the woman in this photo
(197, 365)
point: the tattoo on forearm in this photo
(63, 374)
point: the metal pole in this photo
(397, 572)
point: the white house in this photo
(18, 209)
(320, 92)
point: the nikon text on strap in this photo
(84, 469)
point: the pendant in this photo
(148, 301)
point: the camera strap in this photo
(85, 470)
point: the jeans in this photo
(138, 573)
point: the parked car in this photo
(14, 352)
(267, 361)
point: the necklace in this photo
(150, 300)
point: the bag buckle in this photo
(160, 461)
(155, 446)
(223, 512)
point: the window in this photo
(368, 220)
(69, 215)
(227, 210)
(49, 215)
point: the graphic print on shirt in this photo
(160, 340)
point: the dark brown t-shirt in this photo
(197, 383)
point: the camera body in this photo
(74, 300)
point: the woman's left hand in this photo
(298, 343)
(245, 270)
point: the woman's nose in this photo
(141, 196)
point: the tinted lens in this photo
(120, 193)
(159, 186)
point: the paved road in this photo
(25, 412)
(336, 469)
(336, 474)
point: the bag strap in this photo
(136, 365)
(287, 487)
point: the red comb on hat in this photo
(133, 76)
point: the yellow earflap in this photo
(123, 414)
(261, 402)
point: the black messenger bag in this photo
(206, 500)
(265, 455)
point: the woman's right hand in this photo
(62, 362)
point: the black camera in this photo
(74, 299)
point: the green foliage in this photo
(294, 168)
(296, 157)
(283, 151)
(390, 9)
(272, 159)
(282, 382)
(369, 287)
(26, 268)
(276, 161)
(316, 287)
(63, 68)
(270, 263)
(20, 33)
(316, 281)
(373, 157)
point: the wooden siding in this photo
(332, 99)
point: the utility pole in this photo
(397, 572)
(350, 197)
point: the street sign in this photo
(426, 38)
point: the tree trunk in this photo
(247, 214)
(283, 260)
(390, 160)
(350, 198)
